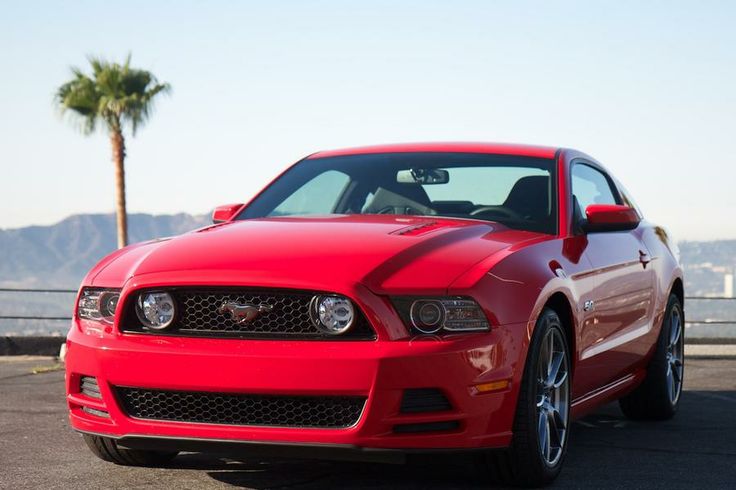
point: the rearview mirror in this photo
(424, 176)
(225, 213)
(609, 217)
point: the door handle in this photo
(644, 258)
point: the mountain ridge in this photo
(59, 255)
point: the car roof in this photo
(445, 147)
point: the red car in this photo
(377, 302)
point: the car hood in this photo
(384, 253)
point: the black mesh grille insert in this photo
(424, 400)
(199, 315)
(333, 412)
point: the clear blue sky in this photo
(649, 90)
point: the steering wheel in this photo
(498, 211)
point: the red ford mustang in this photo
(377, 302)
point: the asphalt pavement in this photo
(697, 449)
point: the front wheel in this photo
(542, 417)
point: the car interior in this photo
(527, 205)
(516, 192)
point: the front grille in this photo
(288, 317)
(328, 412)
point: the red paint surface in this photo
(606, 214)
(469, 147)
(225, 212)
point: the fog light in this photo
(332, 315)
(156, 310)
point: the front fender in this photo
(516, 288)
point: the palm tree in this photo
(116, 96)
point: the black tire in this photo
(656, 398)
(523, 463)
(108, 450)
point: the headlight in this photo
(332, 315)
(156, 309)
(431, 315)
(98, 304)
(427, 315)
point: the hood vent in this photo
(420, 228)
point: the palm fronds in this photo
(115, 94)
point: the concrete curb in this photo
(31, 346)
(712, 351)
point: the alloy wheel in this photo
(675, 355)
(553, 396)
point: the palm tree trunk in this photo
(118, 159)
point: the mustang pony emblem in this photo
(243, 313)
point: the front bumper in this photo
(378, 370)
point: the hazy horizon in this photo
(646, 89)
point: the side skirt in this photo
(612, 391)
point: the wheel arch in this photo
(678, 289)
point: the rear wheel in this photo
(658, 397)
(540, 435)
(107, 449)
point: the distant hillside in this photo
(720, 252)
(59, 255)
(706, 264)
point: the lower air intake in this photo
(329, 412)
(417, 400)
(445, 426)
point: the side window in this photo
(590, 186)
(626, 198)
(318, 196)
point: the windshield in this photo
(518, 192)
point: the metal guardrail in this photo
(32, 317)
(708, 321)
(74, 291)
(727, 298)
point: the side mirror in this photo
(225, 213)
(609, 217)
